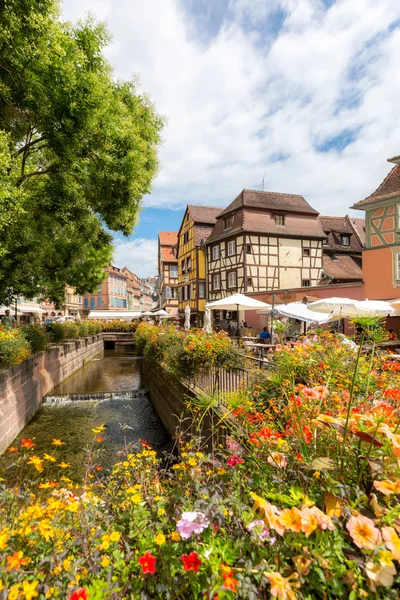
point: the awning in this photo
(124, 315)
(22, 309)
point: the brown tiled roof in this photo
(359, 228)
(168, 238)
(334, 226)
(345, 268)
(389, 188)
(257, 221)
(167, 255)
(271, 201)
(204, 214)
(201, 232)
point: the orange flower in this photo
(280, 586)
(363, 532)
(64, 465)
(392, 541)
(16, 560)
(56, 442)
(309, 521)
(99, 439)
(12, 449)
(27, 443)
(230, 583)
(388, 487)
(290, 518)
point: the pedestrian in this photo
(8, 320)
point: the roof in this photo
(359, 228)
(335, 226)
(272, 201)
(204, 214)
(344, 268)
(253, 220)
(167, 255)
(389, 188)
(168, 238)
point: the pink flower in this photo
(191, 522)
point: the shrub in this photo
(36, 336)
(120, 325)
(82, 328)
(14, 347)
(94, 327)
(71, 330)
(57, 332)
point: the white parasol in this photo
(207, 321)
(345, 307)
(187, 318)
(299, 311)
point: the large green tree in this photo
(78, 150)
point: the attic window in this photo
(279, 220)
(325, 241)
(335, 258)
(345, 239)
(228, 222)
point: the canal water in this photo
(126, 419)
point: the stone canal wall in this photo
(23, 386)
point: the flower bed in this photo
(301, 503)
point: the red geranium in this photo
(191, 562)
(148, 563)
(234, 460)
(79, 594)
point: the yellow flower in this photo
(29, 589)
(64, 465)
(192, 462)
(115, 536)
(161, 512)
(175, 536)
(4, 537)
(363, 532)
(157, 498)
(50, 592)
(221, 471)
(56, 442)
(105, 542)
(49, 457)
(37, 462)
(135, 499)
(99, 429)
(14, 592)
(66, 564)
(280, 587)
(392, 541)
(105, 561)
(291, 519)
(160, 539)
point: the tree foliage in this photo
(78, 151)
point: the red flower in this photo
(148, 563)
(234, 460)
(145, 444)
(79, 594)
(191, 562)
(307, 434)
(27, 443)
(99, 439)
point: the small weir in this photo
(104, 391)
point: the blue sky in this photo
(303, 90)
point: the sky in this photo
(301, 93)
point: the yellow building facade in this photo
(197, 225)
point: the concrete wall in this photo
(23, 386)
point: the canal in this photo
(126, 419)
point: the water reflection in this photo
(104, 375)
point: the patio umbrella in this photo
(299, 311)
(345, 307)
(162, 313)
(238, 302)
(187, 318)
(207, 321)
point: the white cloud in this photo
(139, 255)
(246, 96)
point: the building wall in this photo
(379, 273)
(195, 277)
(263, 263)
(23, 386)
(110, 295)
(170, 304)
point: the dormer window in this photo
(345, 239)
(228, 221)
(325, 241)
(279, 220)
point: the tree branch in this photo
(27, 146)
(23, 178)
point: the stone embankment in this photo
(23, 386)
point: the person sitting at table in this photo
(265, 336)
(392, 335)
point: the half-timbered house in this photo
(264, 241)
(168, 271)
(342, 249)
(197, 224)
